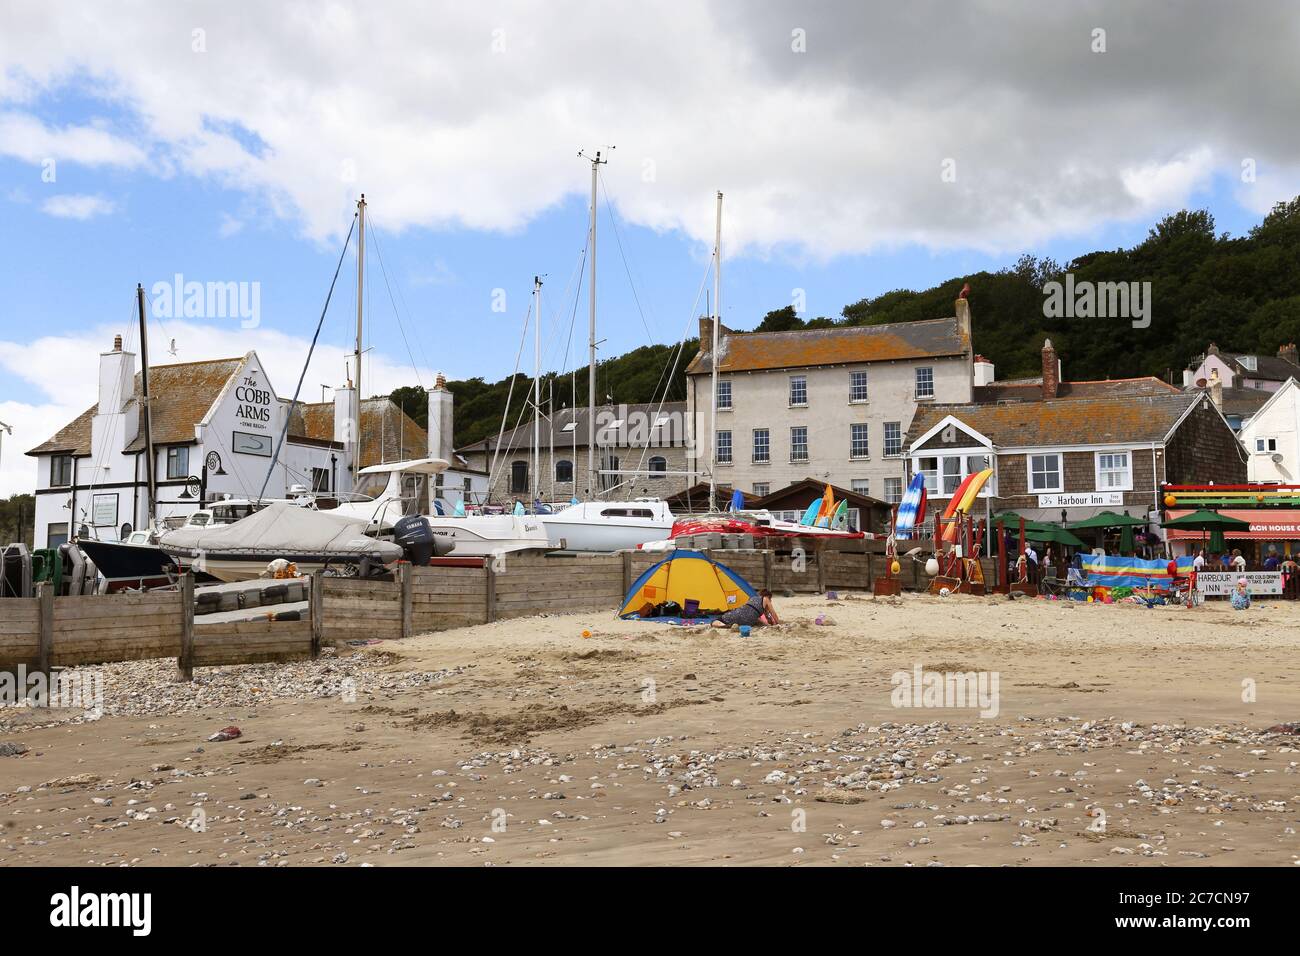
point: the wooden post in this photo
(627, 571)
(316, 608)
(185, 663)
(45, 653)
(767, 568)
(406, 573)
(820, 551)
(490, 592)
(1004, 582)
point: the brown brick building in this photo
(1077, 448)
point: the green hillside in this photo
(1241, 293)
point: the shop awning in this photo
(1265, 525)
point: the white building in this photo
(215, 425)
(831, 404)
(1272, 437)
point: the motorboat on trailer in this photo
(608, 525)
(311, 540)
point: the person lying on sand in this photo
(757, 610)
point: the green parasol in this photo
(1108, 519)
(1210, 521)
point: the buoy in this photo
(894, 568)
(1170, 501)
(932, 567)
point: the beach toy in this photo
(586, 634)
(932, 567)
(744, 630)
(894, 567)
(944, 592)
(1170, 501)
(832, 596)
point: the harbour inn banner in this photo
(1222, 583)
(1082, 499)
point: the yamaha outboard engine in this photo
(416, 538)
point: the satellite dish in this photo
(1276, 457)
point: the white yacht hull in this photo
(589, 527)
(484, 535)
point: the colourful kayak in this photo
(911, 510)
(963, 498)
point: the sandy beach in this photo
(1123, 736)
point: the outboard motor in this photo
(416, 538)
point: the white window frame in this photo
(853, 385)
(1029, 473)
(753, 446)
(917, 381)
(866, 428)
(762, 489)
(1265, 441)
(730, 396)
(804, 387)
(885, 445)
(795, 458)
(895, 497)
(1127, 483)
(717, 447)
(861, 486)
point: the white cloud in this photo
(469, 115)
(26, 137)
(77, 206)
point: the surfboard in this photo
(911, 509)
(963, 498)
(840, 522)
(810, 515)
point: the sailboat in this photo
(596, 525)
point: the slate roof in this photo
(522, 436)
(1031, 389)
(181, 395)
(842, 345)
(387, 432)
(1070, 421)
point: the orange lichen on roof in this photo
(1068, 421)
(842, 345)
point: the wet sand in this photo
(1121, 738)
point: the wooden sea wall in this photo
(46, 632)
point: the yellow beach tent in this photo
(688, 576)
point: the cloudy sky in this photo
(861, 147)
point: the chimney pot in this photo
(1051, 370)
(117, 343)
(1289, 353)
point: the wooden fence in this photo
(49, 631)
(45, 632)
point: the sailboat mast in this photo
(713, 354)
(151, 466)
(361, 295)
(591, 341)
(537, 388)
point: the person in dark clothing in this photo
(757, 610)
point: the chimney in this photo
(116, 378)
(706, 333)
(441, 420)
(1216, 389)
(983, 371)
(1051, 370)
(963, 320)
(1289, 353)
(344, 406)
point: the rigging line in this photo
(303, 374)
(400, 325)
(553, 344)
(681, 345)
(505, 412)
(618, 239)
